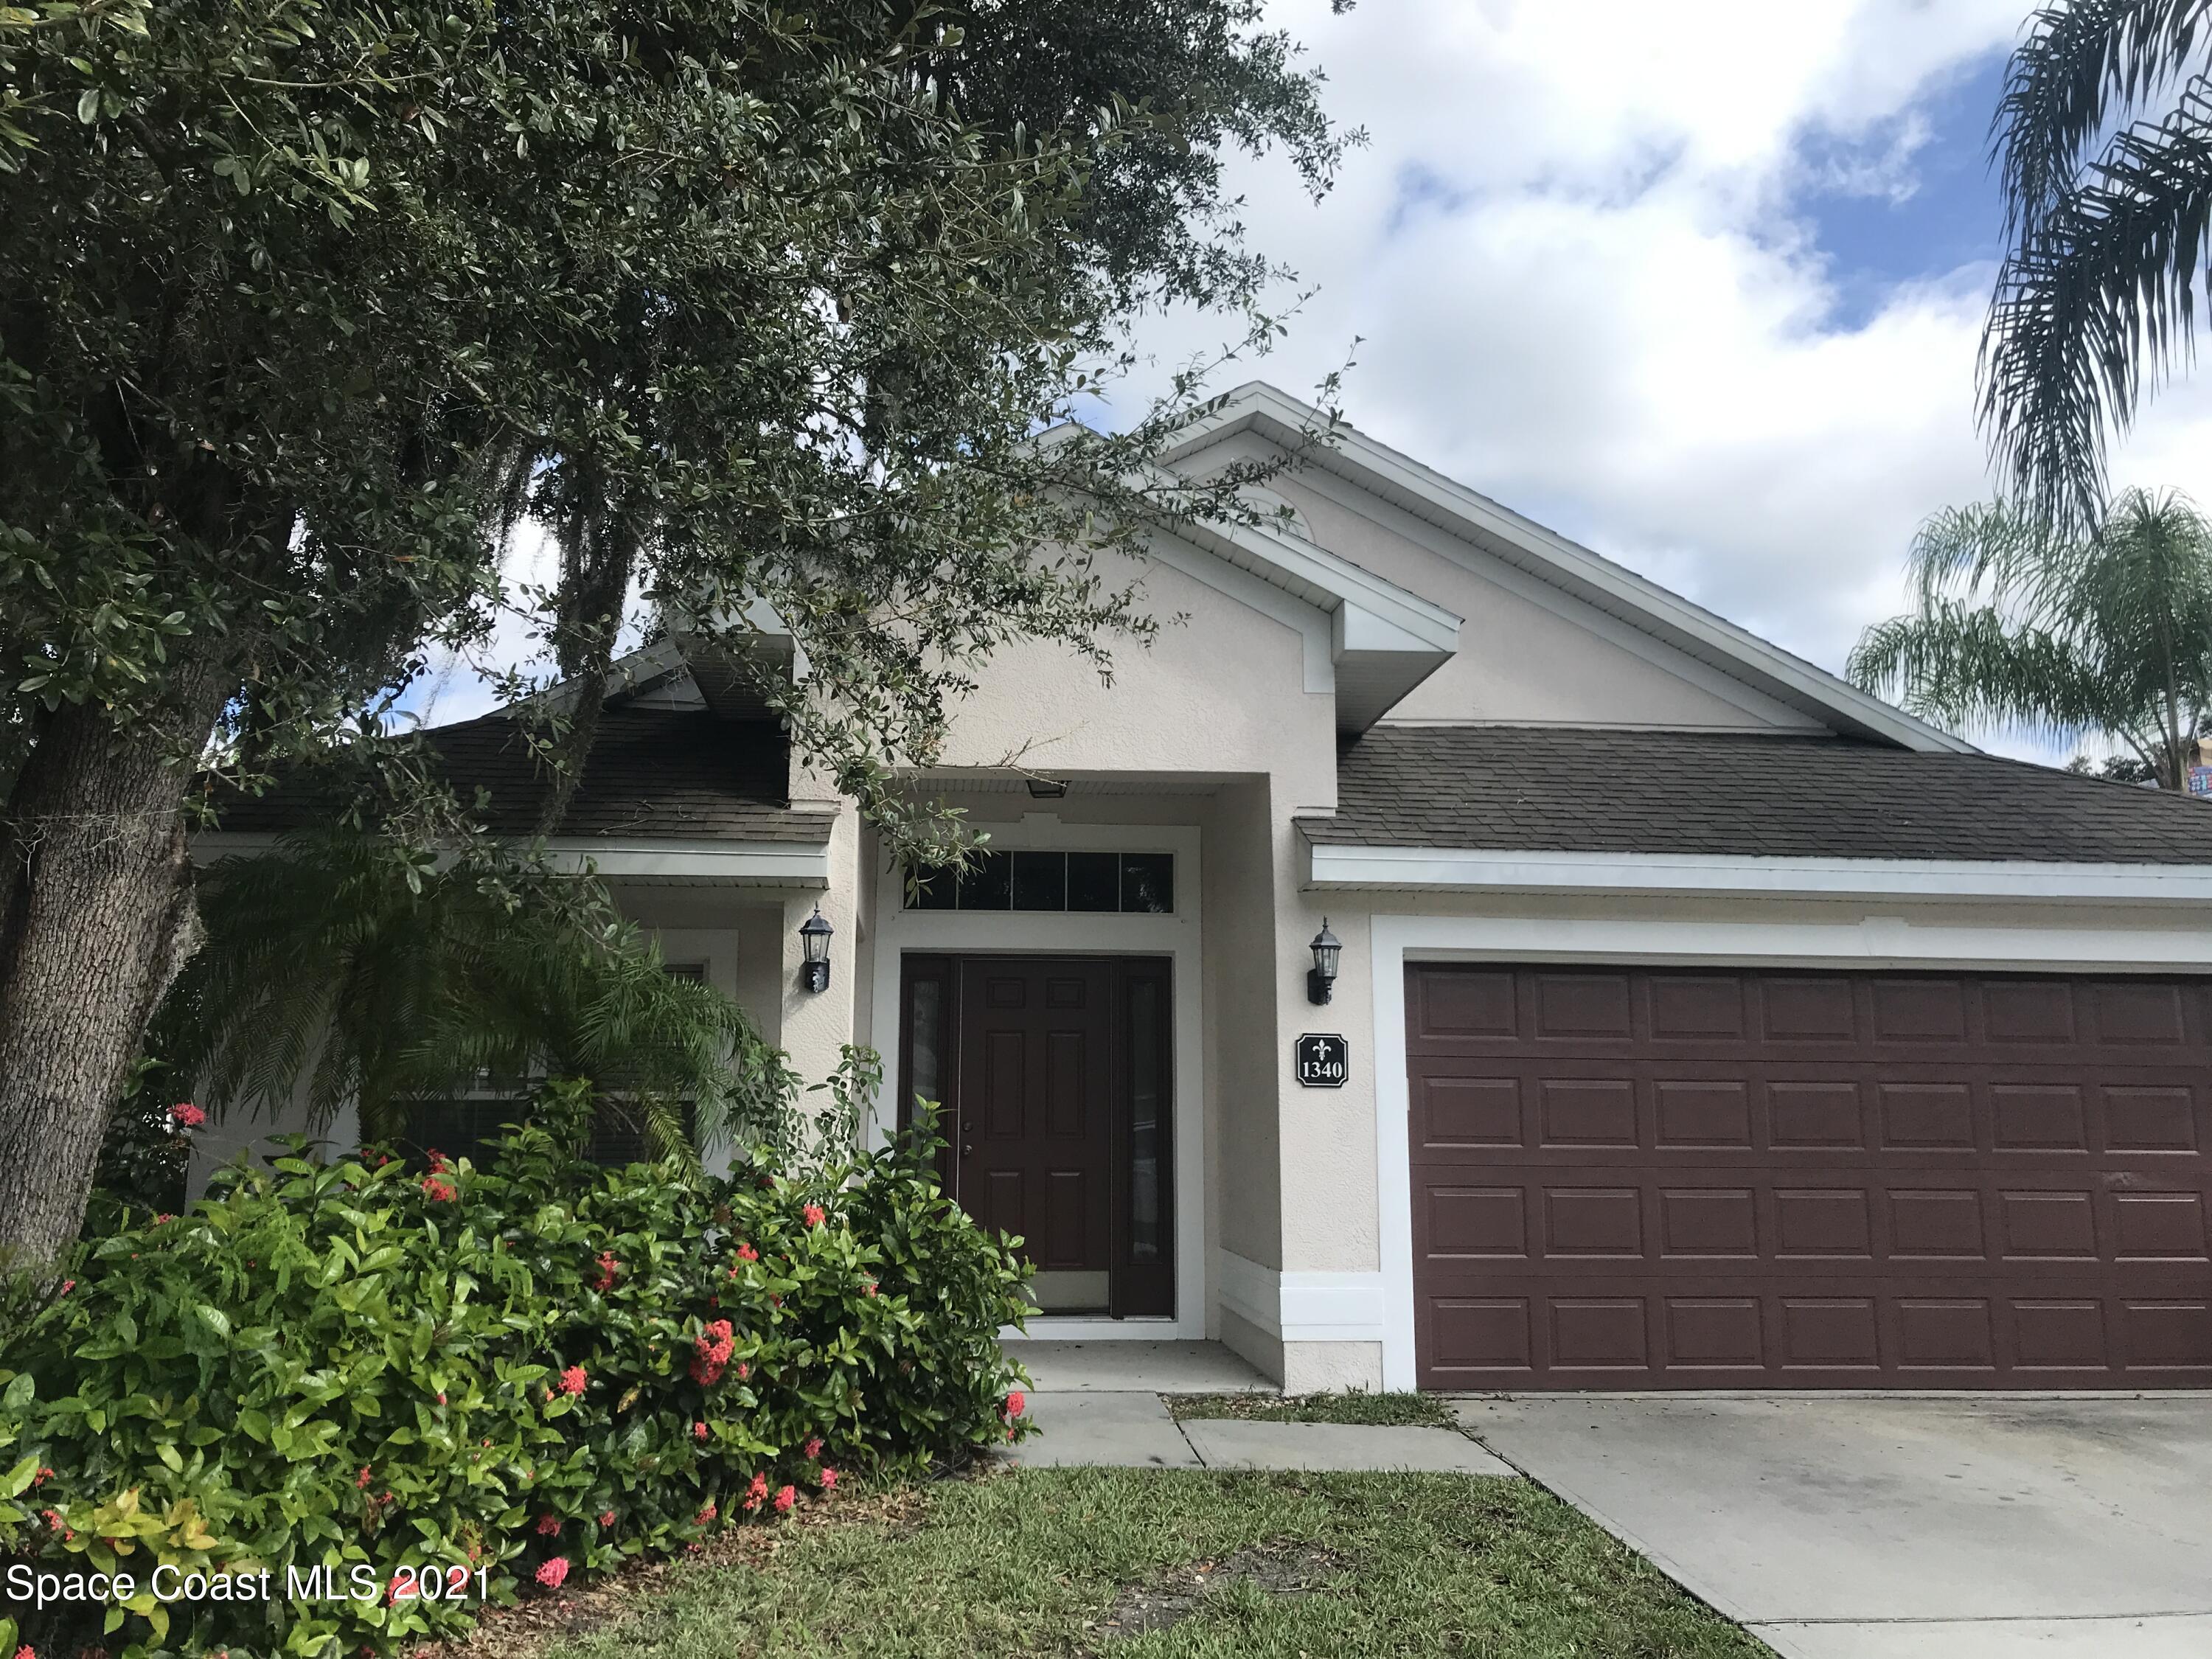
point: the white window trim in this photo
(1859, 943)
(1177, 936)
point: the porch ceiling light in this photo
(1321, 978)
(814, 939)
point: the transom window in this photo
(1140, 884)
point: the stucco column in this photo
(814, 1026)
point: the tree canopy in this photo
(2020, 627)
(305, 303)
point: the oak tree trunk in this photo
(97, 919)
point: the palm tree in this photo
(383, 976)
(2019, 625)
(2106, 219)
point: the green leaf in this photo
(19, 1477)
(87, 106)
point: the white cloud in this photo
(1571, 251)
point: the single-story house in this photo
(1697, 1019)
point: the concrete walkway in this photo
(1099, 1405)
(1104, 1428)
(1870, 1527)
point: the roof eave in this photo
(1339, 866)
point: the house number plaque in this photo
(1323, 1062)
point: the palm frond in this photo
(2019, 627)
(2107, 280)
(2082, 66)
(340, 971)
(1965, 665)
(1987, 546)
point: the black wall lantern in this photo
(1321, 978)
(814, 938)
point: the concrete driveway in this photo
(1863, 1527)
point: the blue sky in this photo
(1944, 213)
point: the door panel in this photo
(1035, 1159)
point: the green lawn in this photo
(1426, 1411)
(1144, 1563)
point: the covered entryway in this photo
(1055, 1075)
(1632, 1178)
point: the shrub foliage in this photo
(516, 1372)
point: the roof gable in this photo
(1489, 531)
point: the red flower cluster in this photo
(870, 1287)
(785, 1497)
(438, 1162)
(185, 1116)
(572, 1380)
(756, 1493)
(1016, 1403)
(715, 1344)
(812, 1449)
(706, 1515)
(607, 1519)
(608, 1268)
(42, 1477)
(746, 1253)
(362, 1479)
(548, 1525)
(811, 1215)
(439, 1191)
(554, 1573)
(829, 1478)
(698, 1430)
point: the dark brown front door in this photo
(1053, 1072)
(1634, 1178)
(1035, 1134)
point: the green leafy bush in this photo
(507, 1374)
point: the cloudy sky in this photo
(1698, 284)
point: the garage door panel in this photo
(1982, 1190)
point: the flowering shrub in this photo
(333, 1364)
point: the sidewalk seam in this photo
(1183, 1432)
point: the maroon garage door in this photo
(1626, 1178)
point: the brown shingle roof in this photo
(652, 773)
(1738, 795)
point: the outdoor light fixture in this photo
(814, 938)
(1047, 788)
(1321, 978)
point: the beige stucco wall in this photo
(1220, 690)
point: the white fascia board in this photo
(737, 863)
(1315, 575)
(1454, 869)
(1282, 419)
(766, 863)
